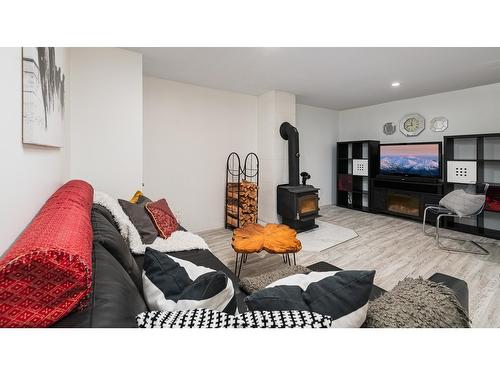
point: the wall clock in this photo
(389, 128)
(439, 124)
(412, 125)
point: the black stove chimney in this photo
(291, 134)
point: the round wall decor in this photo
(389, 128)
(412, 125)
(439, 124)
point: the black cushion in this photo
(139, 217)
(115, 301)
(324, 267)
(110, 238)
(142, 200)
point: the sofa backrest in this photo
(116, 296)
(106, 233)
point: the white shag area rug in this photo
(325, 236)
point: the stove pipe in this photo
(290, 133)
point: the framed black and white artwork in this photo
(44, 87)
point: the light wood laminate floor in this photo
(395, 248)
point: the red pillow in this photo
(47, 272)
(163, 218)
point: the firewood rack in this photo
(242, 190)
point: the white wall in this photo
(318, 129)
(274, 108)
(474, 110)
(188, 133)
(106, 119)
(30, 174)
(180, 147)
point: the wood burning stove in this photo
(307, 205)
(298, 204)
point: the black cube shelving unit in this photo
(484, 149)
(353, 191)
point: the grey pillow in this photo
(462, 203)
(139, 217)
(143, 200)
(417, 303)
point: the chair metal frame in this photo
(445, 212)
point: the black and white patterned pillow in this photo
(171, 284)
(283, 319)
(205, 318)
(342, 295)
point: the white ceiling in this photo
(336, 78)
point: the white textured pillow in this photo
(462, 203)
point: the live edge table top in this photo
(273, 238)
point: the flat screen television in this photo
(411, 160)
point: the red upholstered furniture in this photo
(47, 272)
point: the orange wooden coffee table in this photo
(273, 238)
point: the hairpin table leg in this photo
(236, 264)
(239, 269)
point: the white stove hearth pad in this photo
(324, 237)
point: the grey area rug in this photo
(256, 283)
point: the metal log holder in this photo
(236, 174)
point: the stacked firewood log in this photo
(242, 201)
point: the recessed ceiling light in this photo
(395, 84)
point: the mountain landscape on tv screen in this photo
(414, 165)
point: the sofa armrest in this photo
(458, 286)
